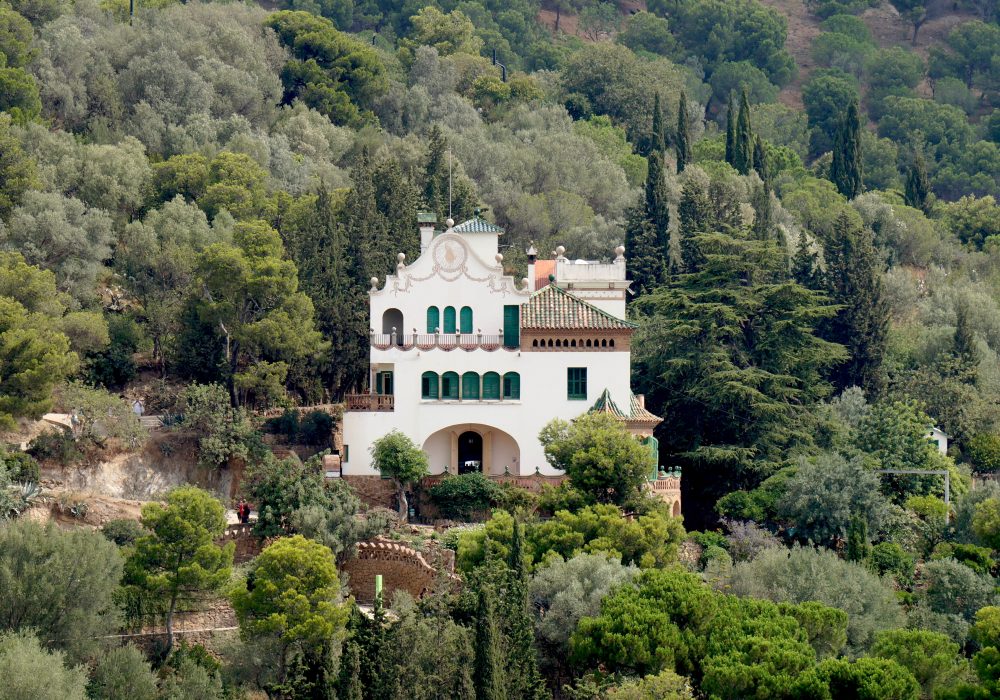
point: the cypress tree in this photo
(763, 220)
(647, 235)
(488, 670)
(435, 183)
(743, 144)
(858, 547)
(397, 199)
(682, 142)
(367, 226)
(965, 353)
(846, 170)
(516, 559)
(731, 132)
(658, 136)
(854, 279)
(918, 185)
(760, 163)
(657, 204)
(696, 216)
(350, 673)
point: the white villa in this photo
(471, 364)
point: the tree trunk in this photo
(404, 506)
(170, 622)
(558, 11)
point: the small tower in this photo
(425, 222)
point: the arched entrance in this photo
(393, 319)
(449, 448)
(470, 452)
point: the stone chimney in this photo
(425, 222)
(532, 259)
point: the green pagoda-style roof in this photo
(555, 308)
(476, 225)
(637, 412)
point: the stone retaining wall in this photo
(401, 567)
(373, 491)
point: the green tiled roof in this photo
(605, 404)
(476, 225)
(555, 308)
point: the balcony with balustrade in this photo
(370, 402)
(442, 341)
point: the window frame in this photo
(491, 383)
(451, 377)
(576, 383)
(510, 386)
(433, 319)
(433, 380)
(467, 381)
(450, 322)
(465, 325)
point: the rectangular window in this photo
(511, 326)
(383, 383)
(345, 454)
(576, 383)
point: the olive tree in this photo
(398, 458)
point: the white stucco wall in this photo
(453, 272)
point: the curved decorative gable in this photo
(451, 258)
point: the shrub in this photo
(460, 497)
(315, 428)
(805, 574)
(979, 559)
(20, 466)
(122, 532)
(286, 425)
(984, 452)
(955, 589)
(56, 446)
(889, 559)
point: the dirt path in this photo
(803, 28)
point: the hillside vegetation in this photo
(194, 198)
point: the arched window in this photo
(534, 343)
(429, 385)
(465, 319)
(512, 385)
(611, 343)
(604, 343)
(558, 343)
(433, 319)
(572, 343)
(550, 342)
(470, 386)
(588, 342)
(449, 385)
(449, 319)
(491, 386)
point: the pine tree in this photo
(858, 546)
(488, 672)
(846, 170)
(918, 186)
(731, 353)
(805, 263)
(682, 140)
(731, 132)
(696, 216)
(854, 279)
(743, 144)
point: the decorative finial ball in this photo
(620, 250)
(524, 281)
(499, 258)
(374, 281)
(560, 250)
(401, 257)
(449, 222)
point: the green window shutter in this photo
(512, 386)
(491, 386)
(378, 382)
(429, 385)
(449, 319)
(654, 449)
(511, 326)
(449, 385)
(465, 319)
(576, 383)
(470, 386)
(433, 319)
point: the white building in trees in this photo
(471, 364)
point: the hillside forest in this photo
(195, 196)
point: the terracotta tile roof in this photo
(543, 268)
(476, 225)
(637, 412)
(554, 308)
